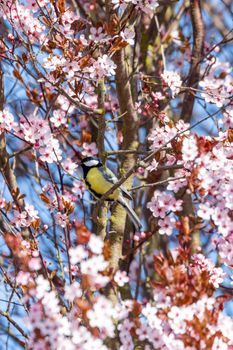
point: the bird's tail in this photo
(133, 216)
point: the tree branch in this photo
(194, 72)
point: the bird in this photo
(99, 179)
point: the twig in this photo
(17, 153)
(157, 183)
(14, 323)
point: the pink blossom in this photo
(173, 80)
(52, 62)
(189, 149)
(216, 274)
(61, 219)
(89, 149)
(166, 225)
(21, 219)
(101, 316)
(7, 122)
(153, 166)
(128, 36)
(23, 278)
(32, 212)
(162, 203)
(66, 30)
(97, 34)
(143, 332)
(42, 287)
(121, 278)
(205, 211)
(77, 254)
(95, 244)
(34, 264)
(58, 118)
(73, 291)
(93, 265)
(69, 166)
(103, 66)
(2, 202)
(219, 344)
(170, 159)
(78, 188)
(224, 246)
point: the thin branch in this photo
(194, 72)
(14, 323)
(158, 183)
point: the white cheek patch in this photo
(91, 163)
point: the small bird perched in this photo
(99, 179)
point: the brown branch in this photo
(158, 183)
(5, 166)
(130, 142)
(103, 211)
(13, 322)
(194, 72)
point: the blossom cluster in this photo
(147, 6)
(167, 321)
(162, 206)
(217, 86)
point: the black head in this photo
(88, 163)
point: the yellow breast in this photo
(99, 185)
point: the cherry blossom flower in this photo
(93, 265)
(34, 264)
(61, 219)
(216, 274)
(32, 212)
(128, 36)
(103, 67)
(95, 244)
(78, 188)
(121, 278)
(89, 149)
(73, 291)
(77, 254)
(153, 166)
(97, 34)
(23, 278)
(21, 219)
(58, 118)
(166, 225)
(69, 166)
(7, 122)
(143, 332)
(66, 30)
(219, 344)
(101, 316)
(162, 203)
(205, 211)
(53, 62)
(173, 80)
(189, 149)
